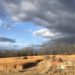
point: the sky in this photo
(19, 34)
(27, 22)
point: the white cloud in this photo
(15, 18)
(6, 45)
(46, 33)
(27, 6)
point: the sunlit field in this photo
(38, 65)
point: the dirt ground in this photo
(38, 65)
(35, 73)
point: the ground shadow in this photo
(30, 64)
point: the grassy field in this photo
(35, 73)
(38, 65)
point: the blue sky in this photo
(25, 22)
(21, 32)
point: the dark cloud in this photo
(4, 39)
(2, 11)
(56, 15)
(66, 40)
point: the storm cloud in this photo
(4, 39)
(56, 15)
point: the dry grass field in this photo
(38, 65)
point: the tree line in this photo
(42, 50)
